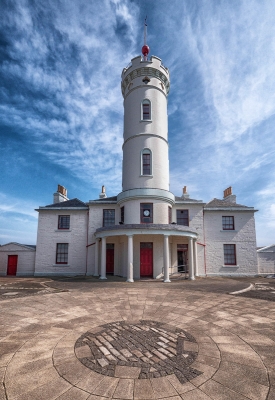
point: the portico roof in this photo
(146, 229)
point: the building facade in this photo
(145, 231)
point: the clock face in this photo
(146, 213)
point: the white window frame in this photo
(144, 101)
(146, 150)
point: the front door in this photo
(110, 258)
(12, 265)
(146, 259)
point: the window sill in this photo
(230, 266)
(146, 120)
(61, 265)
(150, 176)
(63, 230)
(228, 230)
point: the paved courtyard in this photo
(71, 339)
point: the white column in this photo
(96, 257)
(191, 259)
(103, 259)
(196, 258)
(166, 258)
(130, 259)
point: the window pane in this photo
(146, 110)
(169, 215)
(229, 254)
(62, 253)
(146, 164)
(63, 222)
(108, 217)
(146, 213)
(122, 214)
(228, 223)
(182, 217)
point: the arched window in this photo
(146, 110)
(146, 160)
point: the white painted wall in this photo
(243, 237)
(132, 177)
(25, 261)
(48, 236)
(266, 260)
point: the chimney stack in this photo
(228, 196)
(184, 193)
(60, 195)
(102, 195)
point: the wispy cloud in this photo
(67, 59)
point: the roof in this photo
(28, 246)
(113, 198)
(105, 200)
(73, 203)
(187, 200)
(225, 204)
(267, 249)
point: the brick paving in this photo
(48, 343)
(154, 348)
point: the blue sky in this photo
(61, 109)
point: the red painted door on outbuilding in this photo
(146, 259)
(12, 265)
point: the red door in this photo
(110, 257)
(12, 265)
(146, 259)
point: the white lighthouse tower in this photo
(145, 177)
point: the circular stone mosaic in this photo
(155, 349)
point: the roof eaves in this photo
(230, 209)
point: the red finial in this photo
(145, 48)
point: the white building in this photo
(145, 230)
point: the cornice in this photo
(145, 71)
(144, 134)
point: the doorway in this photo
(182, 250)
(110, 258)
(146, 259)
(12, 265)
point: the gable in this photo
(16, 247)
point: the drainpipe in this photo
(204, 242)
(87, 244)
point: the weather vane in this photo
(145, 49)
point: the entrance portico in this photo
(134, 234)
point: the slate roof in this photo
(187, 199)
(69, 203)
(216, 203)
(113, 198)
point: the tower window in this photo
(122, 214)
(146, 160)
(169, 215)
(146, 110)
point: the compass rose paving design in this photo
(152, 349)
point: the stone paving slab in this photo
(142, 341)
